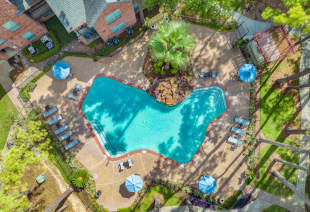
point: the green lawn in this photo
(62, 35)
(7, 114)
(171, 199)
(277, 110)
(275, 208)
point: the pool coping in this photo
(102, 149)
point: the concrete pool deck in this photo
(215, 158)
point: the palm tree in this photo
(298, 131)
(291, 164)
(172, 44)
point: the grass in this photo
(231, 201)
(171, 198)
(61, 33)
(277, 110)
(275, 208)
(47, 193)
(94, 43)
(44, 54)
(8, 113)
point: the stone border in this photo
(145, 150)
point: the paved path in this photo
(305, 120)
(249, 25)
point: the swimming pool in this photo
(127, 119)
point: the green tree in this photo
(297, 15)
(31, 146)
(167, 5)
(80, 178)
(172, 44)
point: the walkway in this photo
(249, 26)
(305, 119)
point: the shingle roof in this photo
(73, 13)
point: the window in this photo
(28, 36)
(119, 27)
(2, 41)
(10, 25)
(113, 16)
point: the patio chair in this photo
(73, 95)
(31, 50)
(55, 120)
(71, 144)
(121, 166)
(238, 131)
(235, 141)
(241, 121)
(65, 136)
(210, 74)
(50, 112)
(61, 129)
(130, 163)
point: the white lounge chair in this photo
(61, 129)
(71, 144)
(235, 141)
(238, 131)
(50, 112)
(121, 166)
(130, 163)
(65, 136)
(55, 120)
(241, 121)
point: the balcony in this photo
(86, 35)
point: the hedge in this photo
(47, 54)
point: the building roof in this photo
(21, 4)
(74, 13)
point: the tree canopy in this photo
(172, 43)
(31, 144)
(296, 14)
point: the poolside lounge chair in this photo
(234, 141)
(65, 136)
(71, 144)
(242, 121)
(55, 120)
(61, 129)
(130, 163)
(238, 131)
(121, 166)
(73, 95)
(50, 112)
(211, 74)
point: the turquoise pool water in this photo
(128, 119)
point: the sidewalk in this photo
(305, 120)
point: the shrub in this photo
(80, 178)
(231, 201)
(49, 53)
(249, 177)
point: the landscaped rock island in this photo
(171, 90)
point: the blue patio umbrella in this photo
(61, 70)
(207, 184)
(247, 73)
(134, 183)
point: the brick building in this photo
(21, 20)
(93, 18)
(17, 30)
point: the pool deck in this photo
(215, 158)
